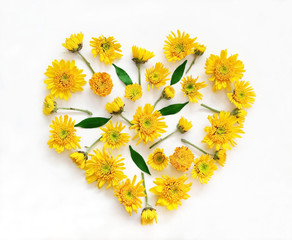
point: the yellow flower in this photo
(103, 168)
(115, 107)
(223, 131)
(158, 160)
(133, 92)
(204, 168)
(170, 191)
(108, 49)
(224, 70)
(63, 134)
(79, 158)
(243, 95)
(178, 47)
(157, 75)
(74, 43)
(129, 194)
(191, 87)
(64, 78)
(101, 84)
(50, 105)
(239, 114)
(113, 136)
(148, 215)
(220, 157)
(148, 125)
(184, 125)
(199, 49)
(182, 158)
(168, 92)
(141, 55)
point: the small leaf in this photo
(139, 160)
(178, 73)
(93, 122)
(172, 109)
(123, 75)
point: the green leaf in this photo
(139, 160)
(123, 75)
(178, 73)
(93, 122)
(172, 109)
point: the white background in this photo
(43, 195)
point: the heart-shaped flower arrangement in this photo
(64, 78)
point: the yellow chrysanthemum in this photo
(158, 160)
(148, 215)
(191, 87)
(64, 78)
(50, 105)
(108, 49)
(133, 92)
(141, 55)
(224, 70)
(148, 125)
(79, 158)
(103, 168)
(178, 47)
(170, 191)
(199, 49)
(101, 84)
(115, 107)
(243, 95)
(220, 157)
(239, 114)
(63, 134)
(204, 167)
(113, 136)
(129, 194)
(168, 92)
(182, 158)
(223, 131)
(157, 75)
(184, 125)
(74, 43)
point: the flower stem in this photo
(139, 74)
(146, 196)
(193, 62)
(127, 120)
(162, 139)
(87, 63)
(75, 109)
(158, 100)
(212, 109)
(88, 149)
(193, 145)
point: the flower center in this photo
(64, 133)
(241, 94)
(204, 168)
(106, 169)
(158, 158)
(114, 136)
(220, 130)
(105, 46)
(155, 77)
(180, 47)
(223, 70)
(147, 123)
(190, 87)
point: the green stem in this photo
(127, 120)
(193, 145)
(158, 100)
(139, 73)
(88, 149)
(146, 196)
(212, 109)
(87, 63)
(75, 109)
(193, 62)
(162, 139)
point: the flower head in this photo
(101, 84)
(199, 49)
(191, 87)
(64, 78)
(103, 168)
(239, 114)
(79, 158)
(148, 124)
(157, 75)
(115, 107)
(158, 160)
(220, 157)
(113, 136)
(168, 92)
(50, 105)
(74, 43)
(63, 134)
(133, 92)
(184, 125)
(129, 194)
(243, 95)
(141, 55)
(204, 167)
(108, 49)
(182, 158)
(224, 70)
(170, 191)
(223, 131)
(178, 47)
(148, 215)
